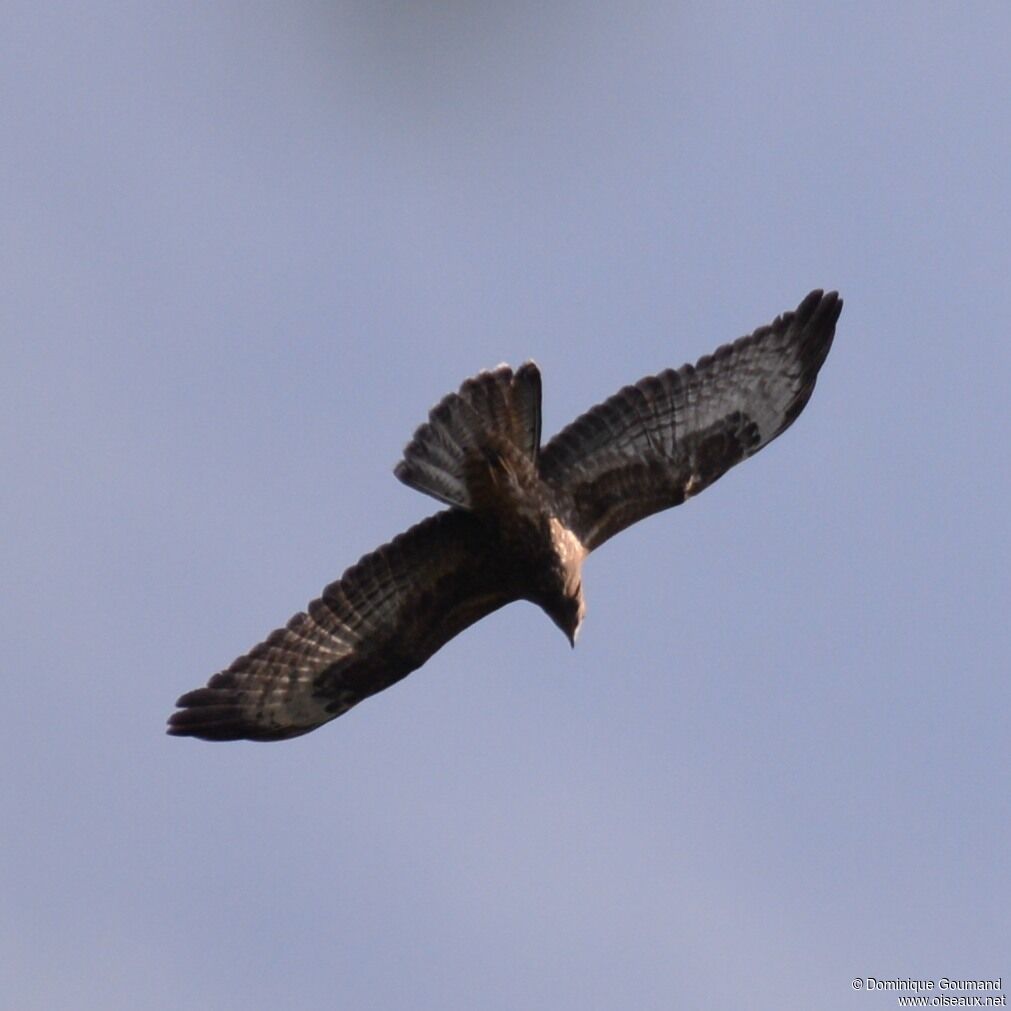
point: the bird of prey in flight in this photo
(521, 519)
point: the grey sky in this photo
(247, 246)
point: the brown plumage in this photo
(520, 523)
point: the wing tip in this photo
(206, 713)
(227, 724)
(817, 307)
(529, 370)
(816, 318)
(215, 715)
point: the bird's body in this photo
(521, 519)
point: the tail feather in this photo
(492, 407)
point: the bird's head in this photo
(563, 599)
(567, 610)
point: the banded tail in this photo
(494, 420)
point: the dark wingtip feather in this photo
(817, 316)
(529, 371)
(216, 715)
(212, 723)
(813, 322)
(208, 713)
(403, 472)
(222, 723)
(817, 310)
(820, 308)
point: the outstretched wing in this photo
(383, 619)
(654, 444)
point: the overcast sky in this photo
(245, 247)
